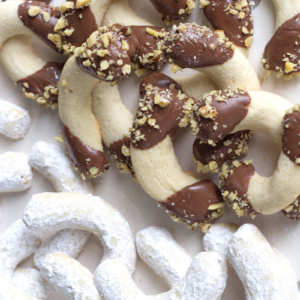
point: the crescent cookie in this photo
(224, 112)
(163, 107)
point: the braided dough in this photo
(15, 121)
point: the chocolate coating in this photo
(166, 118)
(147, 52)
(227, 149)
(194, 46)
(231, 108)
(229, 16)
(37, 83)
(283, 47)
(83, 22)
(192, 202)
(115, 149)
(235, 189)
(37, 23)
(170, 8)
(291, 136)
(116, 46)
(84, 157)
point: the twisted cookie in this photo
(161, 111)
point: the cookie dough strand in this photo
(83, 139)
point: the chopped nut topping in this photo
(33, 11)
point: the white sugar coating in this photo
(10, 292)
(68, 241)
(217, 238)
(54, 211)
(169, 260)
(16, 243)
(30, 281)
(264, 272)
(15, 121)
(50, 159)
(114, 281)
(68, 275)
(205, 279)
(16, 174)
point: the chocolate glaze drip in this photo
(192, 202)
(83, 22)
(237, 183)
(166, 119)
(170, 8)
(219, 14)
(283, 47)
(115, 150)
(227, 149)
(194, 46)
(82, 156)
(49, 75)
(37, 23)
(291, 136)
(231, 110)
(123, 45)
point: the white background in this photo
(128, 197)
